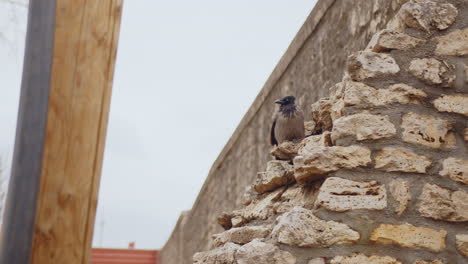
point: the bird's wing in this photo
(273, 140)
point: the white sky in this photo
(186, 73)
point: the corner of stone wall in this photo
(383, 177)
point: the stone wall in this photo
(315, 61)
(383, 180)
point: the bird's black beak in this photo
(279, 102)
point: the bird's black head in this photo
(288, 100)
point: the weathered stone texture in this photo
(432, 71)
(363, 126)
(263, 253)
(436, 261)
(341, 195)
(286, 150)
(321, 114)
(367, 64)
(221, 255)
(454, 43)
(241, 235)
(400, 191)
(455, 169)
(300, 227)
(427, 15)
(356, 93)
(410, 236)
(295, 195)
(309, 144)
(387, 40)
(452, 103)
(401, 159)
(462, 244)
(278, 173)
(426, 130)
(317, 261)
(442, 204)
(361, 259)
(328, 159)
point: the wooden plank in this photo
(18, 219)
(86, 35)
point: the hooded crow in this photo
(288, 122)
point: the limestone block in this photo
(361, 259)
(367, 64)
(356, 93)
(309, 144)
(453, 44)
(286, 150)
(321, 161)
(432, 71)
(400, 191)
(401, 159)
(261, 208)
(317, 261)
(263, 253)
(321, 114)
(240, 235)
(278, 173)
(410, 236)
(427, 14)
(462, 244)
(456, 103)
(341, 195)
(310, 127)
(363, 126)
(224, 255)
(442, 204)
(300, 227)
(436, 261)
(455, 169)
(296, 195)
(386, 40)
(426, 130)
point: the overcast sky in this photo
(186, 73)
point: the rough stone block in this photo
(387, 40)
(442, 204)
(453, 44)
(426, 130)
(309, 144)
(436, 261)
(324, 160)
(296, 195)
(426, 15)
(240, 235)
(356, 93)
(263, 253)
(361, 259)
(310, 127)
(400, 191)
(341, 195)
(432, 71)
(455, 169)
(367, 64)
(317, 261)
(363, 126)
(277, 174)
(410, 236)
(321, 114)
(401, 159)
(457, 103)
(286, 150)
(462, 244)
(300, 227)
(224, 255)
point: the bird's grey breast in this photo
(289, 126)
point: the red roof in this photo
(124, 256)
